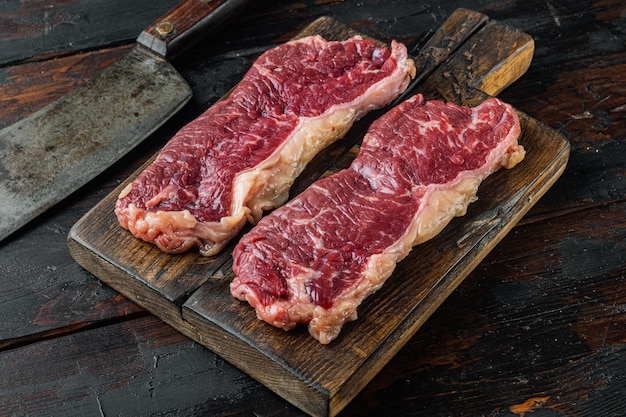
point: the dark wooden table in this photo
(539, 327)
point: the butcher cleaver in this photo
(50, 154)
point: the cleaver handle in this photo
(185, 24)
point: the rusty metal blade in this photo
(47, 156)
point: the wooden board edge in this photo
(513, 67)
(271, 372)
(312, 399)
(125, 284)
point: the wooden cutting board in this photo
(191, 292)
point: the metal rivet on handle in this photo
(165, 28)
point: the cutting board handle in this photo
(185, 24)
(470, 55)
(461, 25)
(488, 62)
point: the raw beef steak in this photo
(242, 155)
(315, 259)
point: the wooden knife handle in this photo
(185, 24)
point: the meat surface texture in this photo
(242, 155)
(315, 259)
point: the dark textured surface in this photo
(540, 324)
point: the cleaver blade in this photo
(50, 154)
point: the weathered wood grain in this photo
(29, 87)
